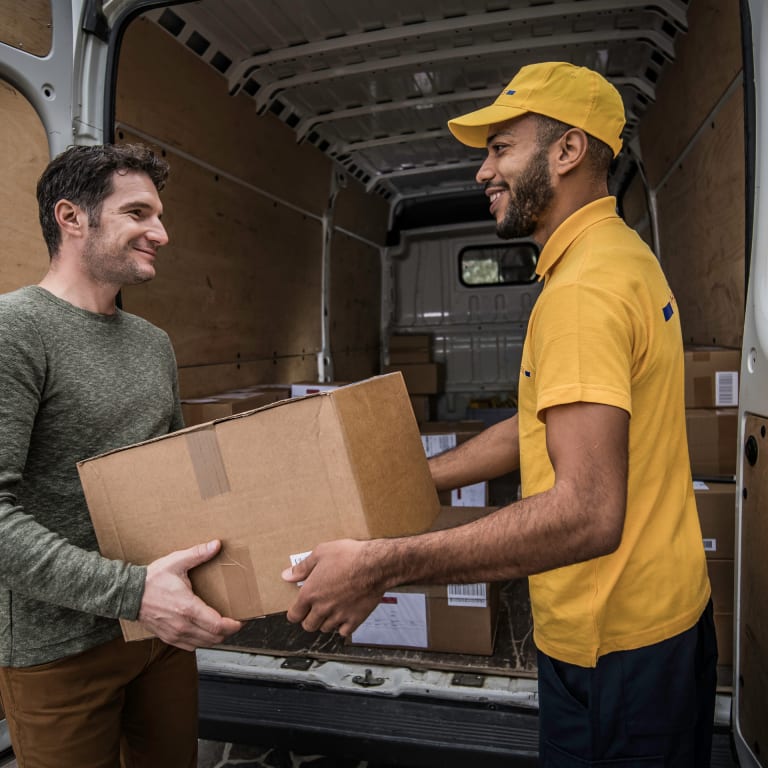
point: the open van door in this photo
(750, 714)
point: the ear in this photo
(71, 218)
(570, 150)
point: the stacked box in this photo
(711, 400)
(411, 354)
(199, 410)
(270, 484)
(453, 618)
(440, 436)
(303, 388)
(716, 503)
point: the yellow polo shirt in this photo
(606, 329)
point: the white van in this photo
(318, 207)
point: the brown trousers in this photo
(132, 705)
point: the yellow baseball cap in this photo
(574, 95)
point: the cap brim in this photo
(472, 129)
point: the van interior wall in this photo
(239, 285)
(692, 141)
(23, 156)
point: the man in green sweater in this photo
(79, 377)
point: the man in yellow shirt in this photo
(607, 529)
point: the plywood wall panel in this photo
(364, 214)
(703, 253)
(23, 157)
(707, 61)
(27, 25)
(355, 309)
(199, 381)
(165, 90)
(240, 277)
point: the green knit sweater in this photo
(73, 384)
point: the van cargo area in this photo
(326, 228)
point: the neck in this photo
(563, 207)
(80, 291)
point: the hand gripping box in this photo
(270, 483)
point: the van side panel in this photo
(23, 155)
(239, 287)
(692, 142)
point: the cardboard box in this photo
(721, 579)
(712, 377)
(202, 409)
(303, 388)
(420, 378)
(440, 436)
(712, 442)
(422, 407)
(410, 348)
(270, 484)
(716, 503)
(457, 618)
(724, 634)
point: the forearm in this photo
(492, 453)
(43, 565)
(540, 533)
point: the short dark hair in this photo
(599, 153)
(83, 175)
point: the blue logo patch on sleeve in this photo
(668, 311)
(527, 373)
(510, 93)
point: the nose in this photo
(486, 171)
(157, 233)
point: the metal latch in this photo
(299, 663)
(471, 681)
(367, 680)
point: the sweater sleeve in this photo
(34, 559)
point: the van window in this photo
(511, 263)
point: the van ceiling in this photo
(372, 83)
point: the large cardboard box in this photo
(712, 377)
(270, 484)
(712, 445)
(202, 409)
(716, 503)
(453, 618)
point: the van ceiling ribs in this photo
(373, 84)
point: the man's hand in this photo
(169, 608)
(339, 589)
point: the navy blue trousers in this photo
(645, 708)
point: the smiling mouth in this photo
(494, 199)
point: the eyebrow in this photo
(138, 204)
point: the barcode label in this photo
(437, 444)
(726, 388)
(473, 595)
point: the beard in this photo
(109, 262)
(528, 199)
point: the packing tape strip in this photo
(207, 462)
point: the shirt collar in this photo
(570, 229)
